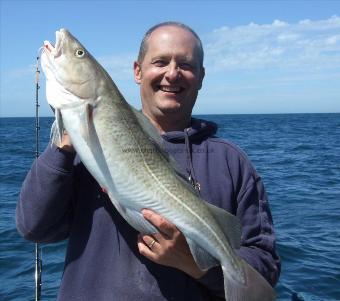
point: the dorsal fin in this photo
(157, 141)
(229, 223)
(147, 127)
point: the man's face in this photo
(170, 74)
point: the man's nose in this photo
(173, 72)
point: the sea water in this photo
(298, 158)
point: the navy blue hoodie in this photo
(61, 200)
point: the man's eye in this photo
(186, 66)
(159, 63)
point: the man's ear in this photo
(201, 78)
(137, 72)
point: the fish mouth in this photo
(56, 49)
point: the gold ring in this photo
(151, 244)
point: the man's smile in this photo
(171, 89)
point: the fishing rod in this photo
(38, 261)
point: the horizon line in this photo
(206, 114)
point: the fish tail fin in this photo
(255, 288)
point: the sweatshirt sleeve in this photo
(258, 237)
(44, 209)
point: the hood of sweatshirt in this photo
(199, 130)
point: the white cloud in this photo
(119, 66)
(306, 45)
(333, 40)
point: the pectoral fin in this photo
(57, 128)
(89, 132)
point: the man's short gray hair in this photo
(144, 44)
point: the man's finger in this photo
(162, 224)
(145, 250)
(150, 241)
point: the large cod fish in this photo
(102, 126)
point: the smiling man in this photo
(170, 72)
(106, 258)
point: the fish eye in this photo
(80, 53)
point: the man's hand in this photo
(66, 143)
(168, 247)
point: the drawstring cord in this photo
(190, 167)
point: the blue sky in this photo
(260, 56)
